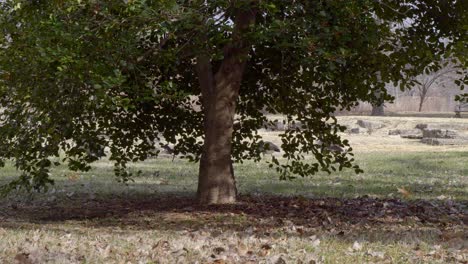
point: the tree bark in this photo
(378, 109)
(421, 103)
(216, 183)
(422, 96)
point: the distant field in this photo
(408, 207)
(426, 114)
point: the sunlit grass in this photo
(424, 175)
(29, 229)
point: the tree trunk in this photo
(378, 110)
(421, 102)
(422, 96)
(216, 183)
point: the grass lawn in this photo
(408, 207)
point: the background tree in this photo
(80, 77)
(436, 79)
(378, 108)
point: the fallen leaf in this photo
(23, 258)
(404, 192)
(266, 246)
(280, 260)
(265, 250)
(242, 249)
(162, 245)
(376, 254)
(73, 177)
(315, 241)
(218, 250)
(357, 246)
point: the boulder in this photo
(422, 126)
(269, 126)
(167, 149)
(268, 147)
(331, 147)
(96, 153)
(444, 141)
(295, 125)
(411, 134)
(280, 126)
(275, 125)
(354, 130)
(335, 148)
(439, 133)
(370, 125)
(394, 132)
(451, 134)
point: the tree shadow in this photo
(259, 215)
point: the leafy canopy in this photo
(78, 78)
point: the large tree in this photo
(78, 77)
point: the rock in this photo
(411, 134)
(422, 126)
(269, 126)
(331, 147)
(280, 260)
(439, 133)
(444, 125)
(275, 125)
(354, 130)
(96, 153)
(280, 126)
(444, 141)
(295, 125)
(394, 132)
(451, 134)
(370, 125)
(268, 147)
(167, 149)
(335, 148)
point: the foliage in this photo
(84, 77)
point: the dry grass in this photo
(258, 230)
(409, 207)
(380, 141)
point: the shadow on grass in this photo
(348, 189)
(258, 215)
